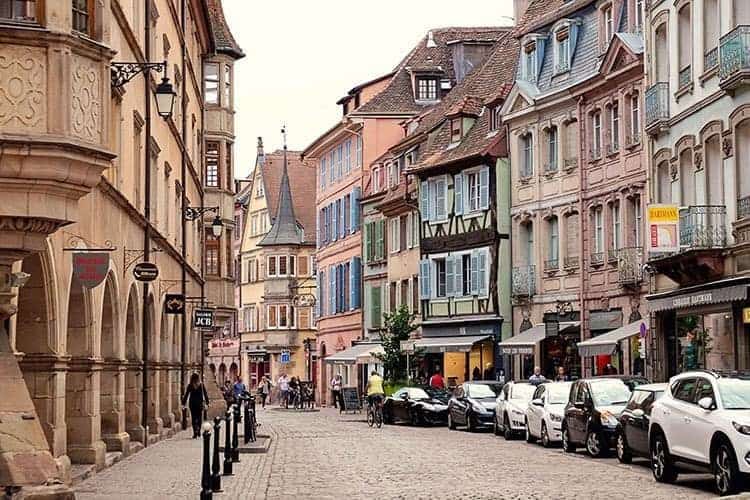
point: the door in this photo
(458, 409)
(678, 414)
(397, 404)
(636, 421)
(698, 423)
(535, 414)
(576, 414)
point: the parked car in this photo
(545, 413)
(473, 404)
(591, 414)
(703, 421)
(510, 410)
(417, 406)
(632, 381)
(632, 430)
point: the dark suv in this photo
(590, 417)
(632, 431)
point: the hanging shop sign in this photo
(90, 268)
(663, 227)
(145, 271)
(203, 318)
(285, 357)
(174, 303)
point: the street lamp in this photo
(123, 72)
(165, 97)
(217, 226)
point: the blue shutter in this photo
(573, 38)
(341, 288)
(458, 194)
(450, 274)
(474, 272)
(355, 283)
(321, 304)
(320, 294)
(331, 168)
(342, 208)
(318, 228)
(424, 279)
(482, 271)
(540, 43)
(356, 195)
(424, 200)
(334, 221)
(459, 276)
(484, 188)
(331, 289)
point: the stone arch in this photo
(133, 374)
(80, 335)
(222, 373)
(112, 385)
(153, 421)
(165, 370)
(133, 343)
(110, 320)
(212, 369)
(233, 371)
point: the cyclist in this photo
(375, 392)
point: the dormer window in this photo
(456, 130)
(495, 117)
(562, 50)
(609, 23)
(529, 62)
(427, 88)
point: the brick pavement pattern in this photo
(326, 455)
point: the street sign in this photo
(285, 357)
(90, 268)
(145, 271)
(203, 318)
(174, 303)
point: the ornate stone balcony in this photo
(523, 281)
(734, 58)
(630, 266)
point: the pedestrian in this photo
(196, 398)
(264, 389)
(293, 389)
(561, 376)
(238, 389)
(336, 389)
(537, 378)
(436, 381)
(228, 394)
(489, 373)
(610, 370)
(283, 384)
(476, 374)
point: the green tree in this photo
(397, 327)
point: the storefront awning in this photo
(524, 342)
(606, 343)
(448, 344)
(370, 356)
(350, 356)
(724, 291)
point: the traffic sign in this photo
(145, 271)
(285, 358)
(203, 318)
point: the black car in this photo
(473, 404)
(417, 406)
(590, 417)
(632, 431)
(632, 381)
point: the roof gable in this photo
(624, 49)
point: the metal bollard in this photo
(227, 447)
(247, 421)
(235, 436)
(215, 467)
(206, 493)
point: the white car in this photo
(544, 414)
(703, 420)
(510, 409)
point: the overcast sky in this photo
(303, 55)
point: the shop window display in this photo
(705, 341)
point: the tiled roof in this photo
(494, 78)
(470, 105)
(223, 39)
(284, 230)
(398, 96)
(542, 12)
(302, 189)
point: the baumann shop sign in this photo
(699, 298)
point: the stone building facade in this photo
(88, 165)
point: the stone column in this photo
(112, 390)
(134, 402)
(82, 412)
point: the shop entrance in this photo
(700, 340)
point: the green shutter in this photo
(375, 309)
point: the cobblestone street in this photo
(325, 455)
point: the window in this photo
(212, 164)
(614, 127)
(212, 256)
(635, 117)
(82, 16)
(227, 86)
(228, 172)
(392, 296)
(711, 30)
(248, 318)
(456, 129)
(553, 252)
(496, 118)
(685, 48)
(664, 183)
(639, 16)
(415, 294)
(427, 89)
(359, 152)
(598, 230)
(211, 83)
(282, 269)
(394, 235)
(339, 160)
(463, 275)
(616, 227)
(403, 232)
(283, 316)
(684, 389)
(529, 62)
(19, 10)
(562, 50)
(571, 240)
(552, 149)
(271, 316)
(596, 135)
(228, 248)
(609, 26)
(259, 188)
(404, 291)
(637, 219)
(527, 155)
(323, 172)
(527, 242)
(254, 225)
(348, 156)
(440, 277)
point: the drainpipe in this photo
(147, 213)
(183, 207)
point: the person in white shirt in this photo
(284, 389)
(336, 390)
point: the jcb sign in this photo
(203, 318)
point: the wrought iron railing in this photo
(612, 148)
(612, 255)
(657, 103)
(734, 53)
(743, 207)
(595, 153)
(523, 281)
(685, 77)
(597, 258)
(552, 265)
(710, 59)
(571, 262)
(703, 226)
(630, 265)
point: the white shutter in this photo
(474, 274)
(484, 188)
(450, 274)
(424, 200)
(458, 194)
(441, 195)
(459, 278)
(424, 279)
(482, 274)
(409, 231)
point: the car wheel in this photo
(624, 454)
(545, 436)
(567, 444)
(451, 423)
(414, 418)
(595, 444)
(387, 417)
(507, 431)
(661, 463)
(529, 437)
(725, 470)
(495, 427)
(469, 424)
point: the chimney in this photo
(519, 9)
(430, 40)
(261, 159)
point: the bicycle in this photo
(375, 411)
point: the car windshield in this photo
(735, 393)
(417, 393)
(480, 391)
(609, 392)
(522, 391)
(558, 393)
(437, 393)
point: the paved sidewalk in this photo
(326, 455)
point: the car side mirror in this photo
(537, 402)
(706, 403)
(638, 413)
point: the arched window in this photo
(687, 178)
(742, 158)
(661, 61)
(663, 183)
(685, 47)
(714, 171)
(527, 155)
(553, 245)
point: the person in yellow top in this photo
(375, 392)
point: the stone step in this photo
(112, 458)
(81, 472)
